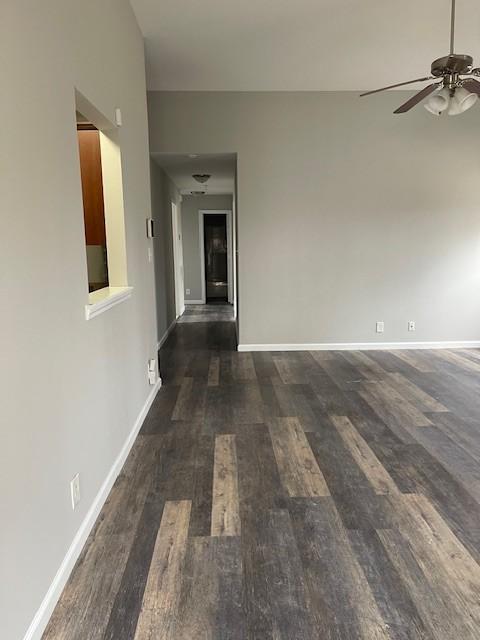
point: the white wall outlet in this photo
(380, 326)
(187, 291)
(75, 490)
(152, 371)
(411, 325)
(118, 117)
(150, 254)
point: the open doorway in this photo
(178, 260)
(204, 270)
(215, 235)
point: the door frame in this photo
(201, 232)
(177, 260)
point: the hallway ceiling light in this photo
(458, 90)
(201, 177)
(192, 155)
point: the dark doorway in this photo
(215, 243)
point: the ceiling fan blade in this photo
(418, 97)
(392, 86)
(472, 85)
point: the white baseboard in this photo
(194, 301)
(41, 618)
(361, 346)
(166, 334)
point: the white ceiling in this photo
(180, 169)
(295, 45)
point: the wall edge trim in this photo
(166, 334)
(44, 612)
(361, 346)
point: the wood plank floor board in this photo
(278, 601)
(391, 594)
(433, 605)
(345, 375)
(212, 597)
(126, 608)
(397, 413)
(363, 455)
(413, 394)
(297, 401)
(247, 404)
(290, 496)
(199, 365)
(398, 361)
(173, 476)
(271, 406)
(265, 368)
(201, 511)
(218, 410)
(296, 463)
(341, 472)
(365, 365)
(464, 432)
(191, 400)
(225, 500)
(259, 484)
(243, 369)
(369, 424)
(455, 396)
(159, 611)
(160, 414)
(458, 360)
(214, 371)
(453, 457)
(337, 585)
(451, 499)
(445, 564)
(329, 396)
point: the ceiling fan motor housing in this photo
(453, 64)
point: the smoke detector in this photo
(201, 177)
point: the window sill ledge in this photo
(104, 299)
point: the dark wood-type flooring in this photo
(291, 496)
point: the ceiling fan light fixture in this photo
(461, 101)
(201, 177)
(438, 102)
(458, 90)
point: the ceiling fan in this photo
(457, 90)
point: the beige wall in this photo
(347, 213)
(191, 205)
(71, 389)
(164, 192)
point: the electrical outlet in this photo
(411, 325)
(152, 371)
(187, 291)
(75, 490)
(150, 254)
(380, 326)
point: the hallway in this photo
(290, 496)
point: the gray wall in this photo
(164, 192)
(71, 389)
(347, 214)
(191, 205)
